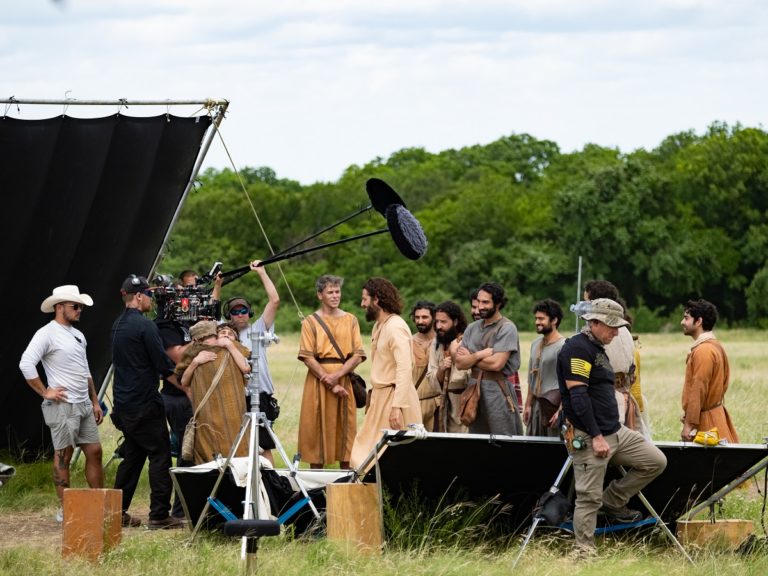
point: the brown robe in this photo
(219, 420)
(327, 423)
(429, 395)
(706, 382)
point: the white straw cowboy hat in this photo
(68, 293)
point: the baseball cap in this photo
(134, 284)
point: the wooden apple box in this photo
(92, 522)
(723, 534)
(354, 516)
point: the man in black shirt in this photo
(586, 381)
(139, 361)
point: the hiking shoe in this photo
(169, 522)
(130, 521)
(621, 515)
(60, 515)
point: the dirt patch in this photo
(41, 530)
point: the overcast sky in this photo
(318, 85)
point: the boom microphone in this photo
(406, 232)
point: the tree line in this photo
(686, 219)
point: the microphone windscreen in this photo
(406, 232)
(382, 195)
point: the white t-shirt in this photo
(61, 349)
(258, 327)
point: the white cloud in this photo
(318, 85)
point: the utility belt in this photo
(575, 439)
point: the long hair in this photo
(387, 293)
(455, 313)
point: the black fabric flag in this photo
(86, 202)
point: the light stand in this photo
(253, 419)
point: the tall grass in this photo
(452, 539)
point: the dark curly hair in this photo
(387, 293)
(496, 292)
(601, 289)
(455, 313)
(424, 305)
(551, 308)
(702, 309)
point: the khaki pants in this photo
(628, 448)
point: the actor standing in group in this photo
(139, 362)
(542, 404)
(706, 375)
(423, 316)
(70, 405)
(490, 348)
(239, 312)
(328, 418)
(586, 383)
(450, 324)
(622, 353)
(394, 401)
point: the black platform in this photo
(519, 469)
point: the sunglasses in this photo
(239, 311)
(76, 306)
(147, 293)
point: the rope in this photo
(258, 220)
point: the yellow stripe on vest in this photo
(580, 367)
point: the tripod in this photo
(252, 422)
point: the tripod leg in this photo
(661, 522)
(292, 467)
(222, 471)
(536, 519)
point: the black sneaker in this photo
(621, 515)
(166, 523)
(130, 521)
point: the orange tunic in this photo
(706, 382)
(391, 377)
(327, 423)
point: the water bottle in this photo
(581, 308)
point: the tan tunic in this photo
(391, 378)
(454, 385)
(706, 382)
(429, 395)
(327, 423)
(219, 420)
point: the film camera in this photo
(187, 304)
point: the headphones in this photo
(228, 305)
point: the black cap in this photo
(134, 284)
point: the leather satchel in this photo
(470, 398)
(358, 382)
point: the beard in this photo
(445, 337)
(371, 312)
(423, 328)
(544, 330)
(486, 313)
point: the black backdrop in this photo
(85, 202)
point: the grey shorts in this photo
(70, 424)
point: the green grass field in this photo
(663, 362)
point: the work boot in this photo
(129, 521)
(621, 515)
(169, 522)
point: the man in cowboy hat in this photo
(70, 405)
(595, 437)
